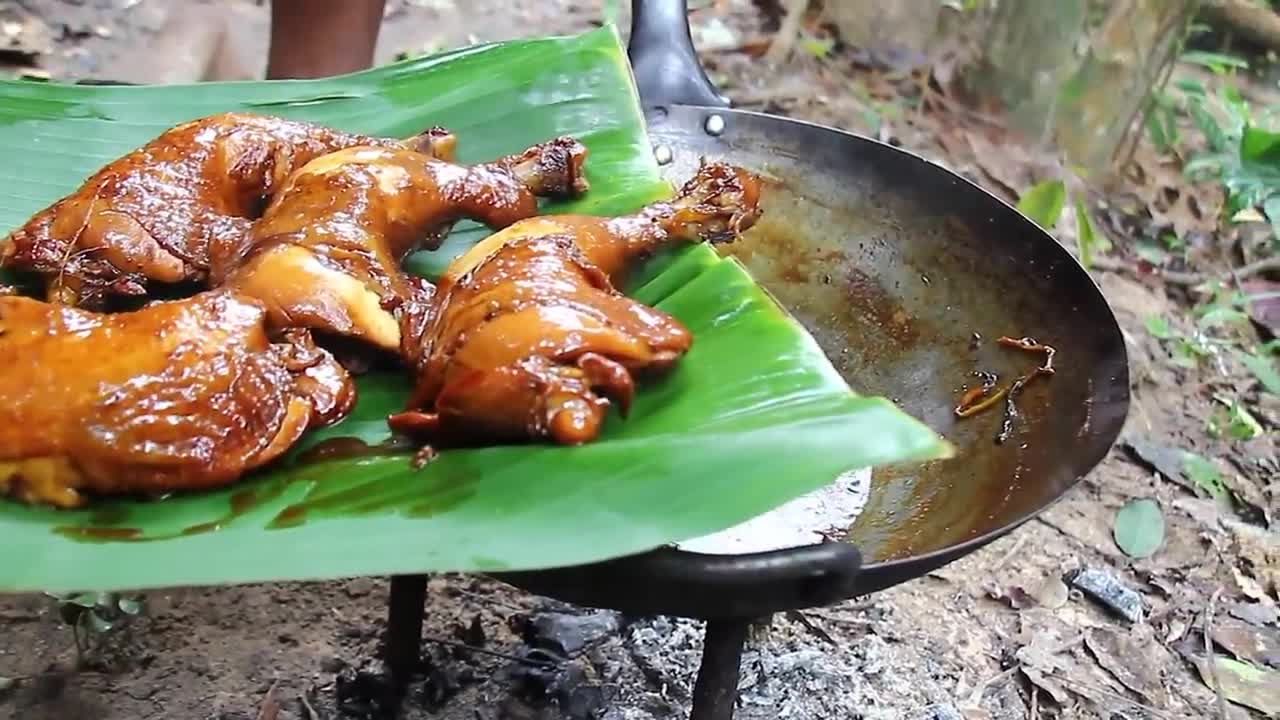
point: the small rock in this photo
(473, 634)
(583, 702)
(618, 713)
(439, 686)
(1051, 593)
(569, 634)
(941, 711)
(359, 587)
(1105, 588)
(333, 664)
(366, 695)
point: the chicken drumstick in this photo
(526, 328)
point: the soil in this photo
(996, 635)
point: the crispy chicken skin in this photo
(527, 331)
(178, 395)
(150, 216)
(326, 254)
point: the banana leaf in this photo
(752, 417)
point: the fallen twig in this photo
(491, 653)
(1208, 653)
(785, 39)
(270, 708)
(306, 705)
(975, 697)
(1174, 277)
(809, 625)
(1022, 539)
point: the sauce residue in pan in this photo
(985, 396)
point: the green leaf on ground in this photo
(1043, 202)
(1260, 146)
(1233, 418)
(1217, 62)
(1264, 369)
(1206, 476)
(1243, 683)
(1158, 327)
(1139, 528)
(1087, 238)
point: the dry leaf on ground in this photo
(1243, 683)
(1173, 203)
(1248, 642)
(1130, 657)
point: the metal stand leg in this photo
(716, 691)
(404, 625)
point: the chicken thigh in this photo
(151, 216)
(180, 395)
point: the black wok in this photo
(894, 264)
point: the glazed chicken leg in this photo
(151, 216)
(527, 328)
(326, 254)
(179, 395)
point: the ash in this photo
(787, 672)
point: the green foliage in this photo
(1139, 528)
(1206, 476)
(92, 615)
(1219, 63)
(875, 113)
(818, 47)
(1263, 368)
(1158, 327)
(1233, 420)
(1044, 204)
(1240, 151)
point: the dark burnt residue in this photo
(794, 260)
(870, 299)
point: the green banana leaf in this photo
(752, 417)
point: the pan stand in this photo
(715, 692)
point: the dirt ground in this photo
(997, 635)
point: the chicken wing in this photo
(151, 216)
(326, 254)
(180, 395)
(527, 330)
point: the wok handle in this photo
(709, 587)
(665, 65)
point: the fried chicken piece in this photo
(150, 216)
(326, 254)
(178, 395)
(527, 331)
